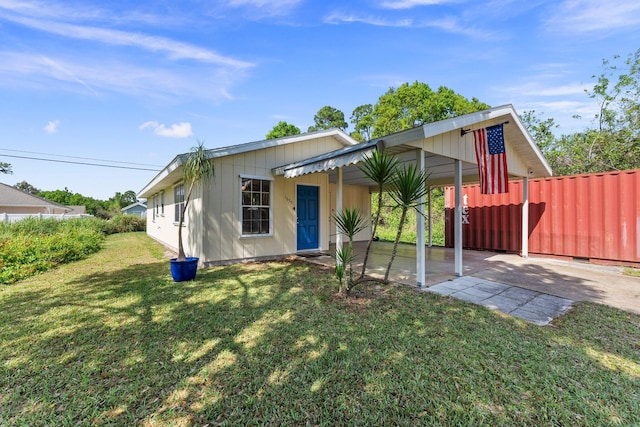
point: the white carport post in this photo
(457, 227)
(420, 256)
(525, 217)
(430, 223)
(338, 211)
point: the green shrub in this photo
(35, 245)
(126, 224)
(390, 218)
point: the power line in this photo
(81, 163)
(75, 157)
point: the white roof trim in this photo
(336, 133)
(447, 125)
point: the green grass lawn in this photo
(111, 340)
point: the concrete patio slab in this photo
(553, 283)
(526, 304)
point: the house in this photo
(77, 210)
(15, 201)
(137, 209)
(276, 197)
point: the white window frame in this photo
(178, 212)
(162, 203)
(242, 178)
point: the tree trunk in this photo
(373, 234)
(395, 243)
(181, 254)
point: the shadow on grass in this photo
(272, 344)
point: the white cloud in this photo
(89, 75)
(541, 89)
(581, 16)
(174, 49)
(337, 18)
(266, 8)
(408, 4)
(447, 24)
(180, 130)
(52, 126)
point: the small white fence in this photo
(5, 217)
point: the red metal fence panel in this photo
(593, 216)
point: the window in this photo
(162, 203)
(154, 202)
(256, 206)
(178, 199)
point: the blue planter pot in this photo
(183, 271)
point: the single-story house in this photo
(77, 210)
(137, 209)
(15, 201)
(276, 197)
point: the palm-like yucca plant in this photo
(349, 222)
(408, 188)
(197, 167)
(379, 168)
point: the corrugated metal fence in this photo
(592, 216)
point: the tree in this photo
(379, 168)
(66, 197)
(416, 104)
(408, 187)
(618, 95)
(5, 168)
(327, 118)
(197, 167)
(540, 130)
(614, 142)
(283, 129)
(121, 200)
(362, 119)
(27, 188)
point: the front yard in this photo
(111, 340)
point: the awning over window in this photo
(335, 159)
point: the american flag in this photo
(492, 160)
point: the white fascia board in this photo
(447, 125)
(147, 191)
(533, 145)
(338, 134)
(454, 123)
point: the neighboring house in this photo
(137, 209)
(276, 197)
(14, 201)
(77, 210)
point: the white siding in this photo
(221, 226)
(353, 196)
(450, 145)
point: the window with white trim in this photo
(154, 203)
(178, 200)
(162, 203)
(256, 206)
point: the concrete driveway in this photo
(572, 280)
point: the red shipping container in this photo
(591, 216)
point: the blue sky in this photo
(140, 82)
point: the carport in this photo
(446, 150)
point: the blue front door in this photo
(307, 217)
